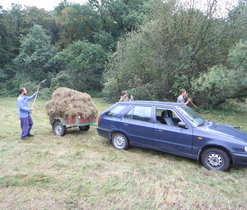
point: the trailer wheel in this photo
(84, 128)
(59, 129)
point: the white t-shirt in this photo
(181, 100)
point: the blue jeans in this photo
(26, 126)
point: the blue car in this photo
(174, 128)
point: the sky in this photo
(223, 5)
(45, 4)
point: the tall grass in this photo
(82, 170)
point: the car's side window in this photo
(141, 113)
(174, 116)
(167, 117)
(115, 111)
(129, 114)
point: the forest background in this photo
(151, 48)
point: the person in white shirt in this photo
(182, 98)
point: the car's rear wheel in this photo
(119, 141)
(215, 159)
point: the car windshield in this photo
(192, 116)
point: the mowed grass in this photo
(83, 171)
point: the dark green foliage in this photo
(8, 51)
(101, 22)
(62, 79)
(30, 86)
(104, 39)
(84, 63)
(147, 92)
(8, 38)
(35, 53)
(88, 33)
(45, 93)
(222, 82)
(118, 16)
(177, 49)
(27, 17)
(76, 22)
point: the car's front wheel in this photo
(119, 141)
(215, 159)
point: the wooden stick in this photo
(35, 97)
(193, 103)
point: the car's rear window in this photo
(115, 111)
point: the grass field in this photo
(82, 170)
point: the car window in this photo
(192, 116)
(174, 115)
(115, 111)
(141, 113)
(129, 114)
(167, 117)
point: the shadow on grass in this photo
(172, 157)
(151, 152)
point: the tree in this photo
(170, 52)
(84, 62)
(8, 48)
(17, 15)
(223, 82)
(120, 17)
(76, 22)
(35, 53)
(7, 38)
(25, 18)
(35, 16)
(105, 19)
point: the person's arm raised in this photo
(31, 97)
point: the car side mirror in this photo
(182, 125)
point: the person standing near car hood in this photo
(181, 98)
(24, 113)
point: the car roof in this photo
(152, 103)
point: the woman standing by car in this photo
(181, 97)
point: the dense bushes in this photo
(223, 81)
(180, 48)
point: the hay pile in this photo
(66, 102)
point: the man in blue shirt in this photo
(24, 113)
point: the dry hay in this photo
(66, 102)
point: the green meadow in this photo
(83, 171)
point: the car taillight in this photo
(99, 120)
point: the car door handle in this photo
(159, 130)
(125, 124)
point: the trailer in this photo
(61, 124)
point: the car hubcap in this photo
(119, 141)
(58, 129)
(215, 160)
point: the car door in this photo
(172, 138)
(138, 125)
